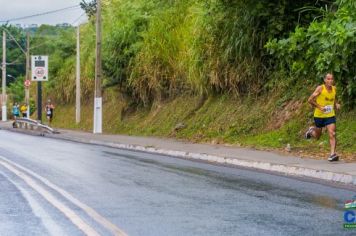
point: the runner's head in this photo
(329, 79)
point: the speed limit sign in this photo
(27, 83)
(39, 68)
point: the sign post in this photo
(39, 74)
(27, 84)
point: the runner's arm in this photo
(336, 103)
(312, 98)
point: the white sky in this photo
(10, 9)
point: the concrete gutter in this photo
(296, 170)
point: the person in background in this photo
(15, 113)
(49, 108)
(15, 110)
(23, 110)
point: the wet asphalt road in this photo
(54, 187)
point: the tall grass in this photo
(169, 61)
(158, 49)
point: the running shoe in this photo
(333, 157)
(308, 134)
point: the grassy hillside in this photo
(267, 122)
(218, 71)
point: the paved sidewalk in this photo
(340, 172)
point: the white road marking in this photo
(90, 211)
(71, 215)
(48, 222)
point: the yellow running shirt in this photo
(326, 99)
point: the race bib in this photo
(328, 109)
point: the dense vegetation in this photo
(45, 40)
(324, 45)
(155, 49)
(158, 50)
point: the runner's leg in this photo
(316, 133)
(332, 137)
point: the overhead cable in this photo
(77, 18)
(13, 38)
(40, 14)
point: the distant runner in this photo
(324, 101)
(23, 110)
(49, 111)
(15, 110)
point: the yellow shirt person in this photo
(23, 110)
(324, 101)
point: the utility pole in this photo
(77, 95)
(97, 129)
(27, 89)
(4, 108)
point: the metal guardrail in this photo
(27, 123)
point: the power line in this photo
(15, 62)
(77, 18)
(13, 38)
(40, 14)
(46, 39)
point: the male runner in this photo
(324, 101)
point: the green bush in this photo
(328, 45)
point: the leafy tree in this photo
(15, 58)
(327, 45)
(89, 7)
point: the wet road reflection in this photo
(146, 194)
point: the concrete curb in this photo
(279, 168)
(266, 166)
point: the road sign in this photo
(27, 83)
(39, 68)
